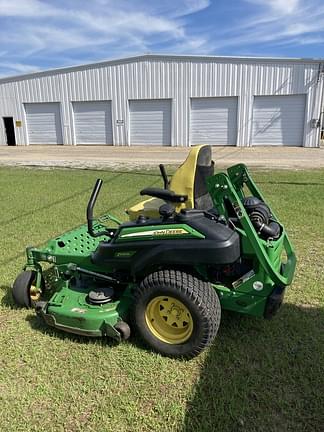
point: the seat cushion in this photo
(149, 208)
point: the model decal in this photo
(79, 310)
(124, 254)
(243, 279)
(161, 232)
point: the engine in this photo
(261, 218)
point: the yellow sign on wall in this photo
(18, 123)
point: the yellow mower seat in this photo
(189, 179)
(149, 208)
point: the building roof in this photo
(170, 57)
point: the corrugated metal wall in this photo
(158, 77)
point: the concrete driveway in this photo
(146, 157)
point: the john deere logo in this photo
(159, 232)
(167, 232)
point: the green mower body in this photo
(98, 274)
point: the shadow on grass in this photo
(38, 324)
(262, 376)
(291, 183)
(7, 300)
(147, 170)
(55, 203)
(80, 193)
(121, 204)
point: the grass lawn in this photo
(258, 376)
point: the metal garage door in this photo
(278, 120)
(150, 122)
(43, 123)
(213, 121)
(92, 122)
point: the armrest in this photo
(164, 194)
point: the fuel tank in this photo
(190, 238)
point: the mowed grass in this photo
(258, 376)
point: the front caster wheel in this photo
(24, 290)
(176, 313)
(123, 329)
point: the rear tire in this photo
(21, 290)
(176, 313)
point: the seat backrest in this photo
(190, 178)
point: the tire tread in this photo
(197, 291)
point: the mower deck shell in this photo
(69, 309)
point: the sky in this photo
(44, 34)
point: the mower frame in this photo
(258, 292)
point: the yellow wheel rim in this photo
(169, 320)
(34, 293)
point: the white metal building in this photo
(167, 100)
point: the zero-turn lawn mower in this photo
(202, 243)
